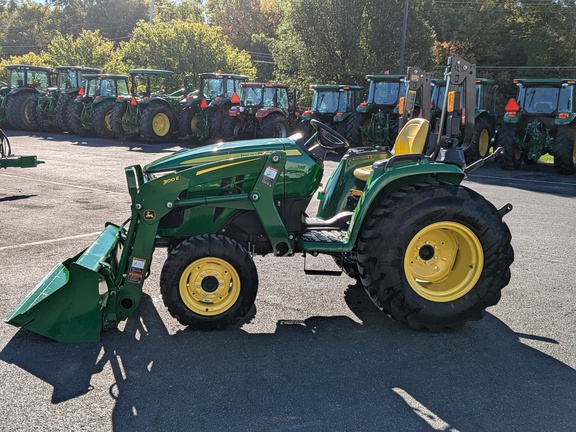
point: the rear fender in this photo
(265, 112)
(387, 178)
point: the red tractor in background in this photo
(264, 112)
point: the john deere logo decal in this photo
(149, 214)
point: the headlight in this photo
(149, 176)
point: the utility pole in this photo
(151, 11)
(403, 41)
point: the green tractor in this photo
(91, 111)
(485, 93)
(264, 112)
(132, 117)
(333, 105)
(18, 100)
(540, 120)
(430, 252)
(204, 112)
(53, 103)
(376, 120)
(9, 160)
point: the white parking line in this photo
(63, 184)
(50, 241)
(424, 413)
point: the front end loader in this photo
(430, 252)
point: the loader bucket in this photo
(67, 304)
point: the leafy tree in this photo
(184, 47)
(27, 59)
(247, 24)
(88, 49)
(340, 41)
(183, 10)
(28, 27)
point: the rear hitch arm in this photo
(479, 163)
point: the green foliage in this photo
(186, 47)
(341, 41)
(26, 59)
(88, 49)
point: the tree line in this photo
(298, 42)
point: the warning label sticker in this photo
(138, 265)
(269, 176)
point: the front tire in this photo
(564, 150)
(116, 120)
(62, 110)
(353, 133)
(74, 117)
(480, 143)
(512, 157)
(435, 255)
(209, 282)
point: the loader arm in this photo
(102, 285)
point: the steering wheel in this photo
(328, 138)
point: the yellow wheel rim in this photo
(484, 142)
(194, 124)
(209, 286)
(365, 141)
(443, 261)
(27, 113)
(107, 120)
(161, 124)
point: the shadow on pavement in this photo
(321, 374)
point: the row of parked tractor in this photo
(85, 101)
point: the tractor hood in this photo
(187, 158)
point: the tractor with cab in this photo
(539, 121)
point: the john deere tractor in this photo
(204, 112)
(19, 99)
(376, 120)
(131, 117)
(91, 111)
(332, 105)
(53, 103)
(264, 112)
(431, 253)
(540, 120)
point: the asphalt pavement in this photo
(315, 354)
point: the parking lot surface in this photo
(315, 354)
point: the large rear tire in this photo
(564, 150)
(480, 143)
(13, 110)
(512, 157)
(30, 119)
(157, 123)
(434, 255)
(274, 126)
(101, 118)
(209, 282)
